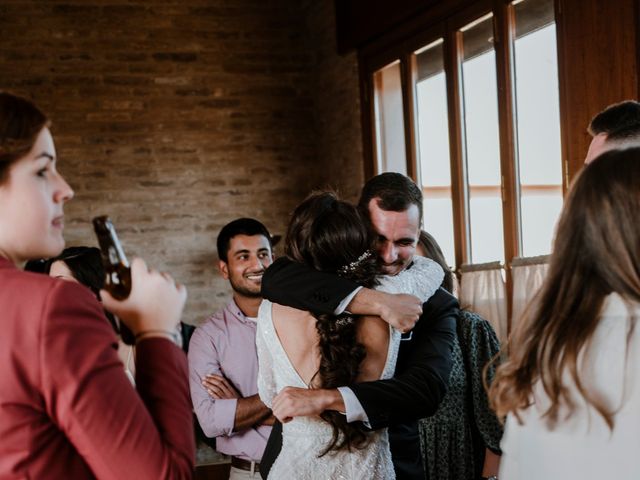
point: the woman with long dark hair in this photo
(84, 265)
(80, 264)
(571, 385)
(67, 409)
(462, 439)
(307, 350)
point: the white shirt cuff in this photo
(353, 407)
(345, 302)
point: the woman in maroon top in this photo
(67, 409)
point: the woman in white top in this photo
(571, 386)
(297, 348)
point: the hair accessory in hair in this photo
(351, 267)
(344, 321)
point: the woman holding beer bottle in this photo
(67, 409)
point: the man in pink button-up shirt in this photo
(223, 363)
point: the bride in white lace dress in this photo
(296, 348)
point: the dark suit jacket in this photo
(423, 367)
(67, 410)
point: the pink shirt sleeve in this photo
(118, 432)
(216, 417)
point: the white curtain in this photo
(528, 275)
(482, 290)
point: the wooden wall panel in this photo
(360, 21)
(598, 66)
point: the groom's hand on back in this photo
(303, 402)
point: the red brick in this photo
(177, 116)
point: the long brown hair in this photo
(328, 234)
(20, 123)
(596, 252)
(432, 250)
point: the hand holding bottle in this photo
(155, 303)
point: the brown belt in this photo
(244, 464)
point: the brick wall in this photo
(176, 116)
(336, 103)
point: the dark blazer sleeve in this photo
(295, 285)
(422, 371)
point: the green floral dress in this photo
(454, 439)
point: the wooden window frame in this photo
(401, 46)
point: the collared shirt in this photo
(353, 409)
(225, 344)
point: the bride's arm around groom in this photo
(424, 361)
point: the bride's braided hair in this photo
(330, 235)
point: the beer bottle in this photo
(116, 265)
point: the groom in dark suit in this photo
(393, 204)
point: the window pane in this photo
(538, 123)
(438, 221)
(433, 146)
(482, 144)
(537, 229)
(390, 146)
(433, 126)
(486, 228)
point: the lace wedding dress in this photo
(304, 438)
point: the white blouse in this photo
(583, 447)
